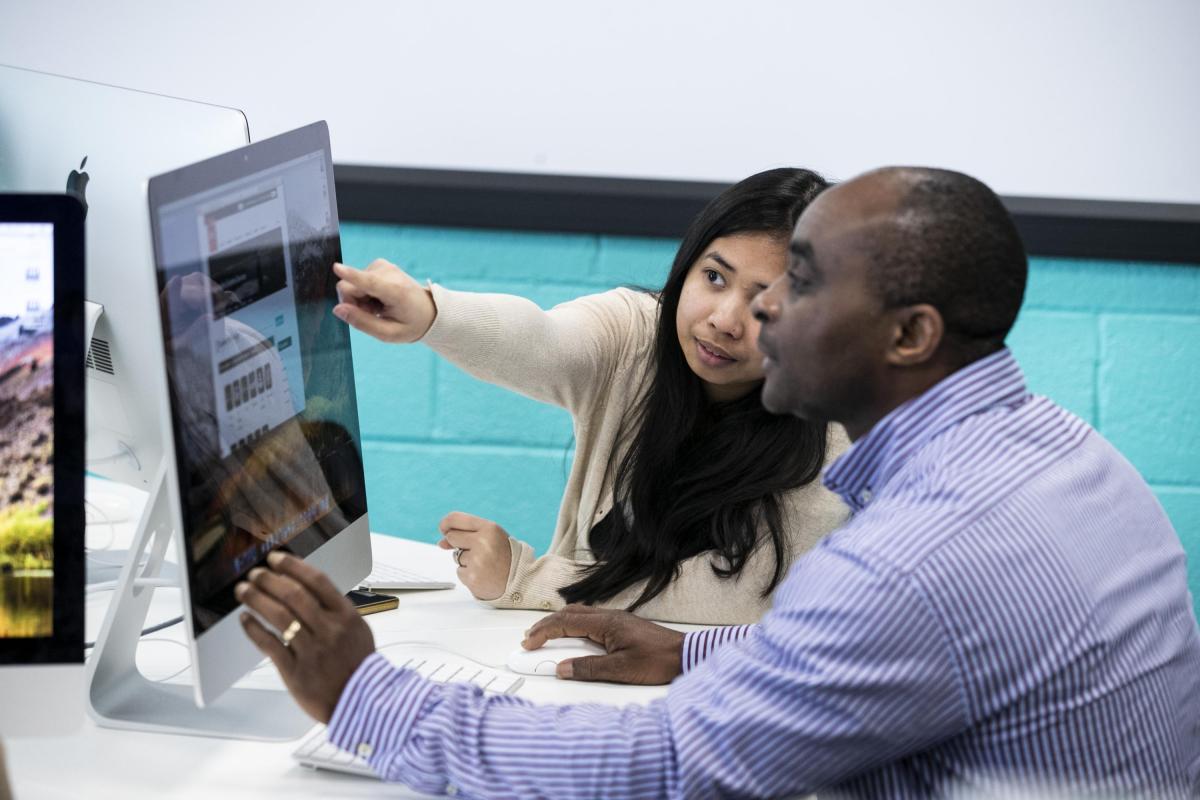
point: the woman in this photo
(714, 497)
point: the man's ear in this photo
(917, 333)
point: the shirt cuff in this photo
(377, 709)
(532, 582)
(699, 645)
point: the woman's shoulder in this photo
(837, 441)
(621, 303)
(811, 510)
(605, 318)
(624, 318)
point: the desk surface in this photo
(101, 762)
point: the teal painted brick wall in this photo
(1116, 343)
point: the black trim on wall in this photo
(1123, 231)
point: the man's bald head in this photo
(948, 241)
(895, 279)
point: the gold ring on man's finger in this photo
(290, 632)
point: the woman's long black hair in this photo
(702, 476)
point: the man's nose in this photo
(763, 306)
(758, 308)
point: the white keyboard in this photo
(317, 753)
(386, 578)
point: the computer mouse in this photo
(544, 660)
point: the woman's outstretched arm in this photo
(560, 356)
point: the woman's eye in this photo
(798, 283)
(714, 277)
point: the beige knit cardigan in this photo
(591, 356)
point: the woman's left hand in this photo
(485, 559)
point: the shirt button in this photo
(545, 605)
(865, 496)
(451, 789)
(365, 750)
(515, 597)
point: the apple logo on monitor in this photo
(77, 183)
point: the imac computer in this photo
(41, 464)
(260, 432)
(102, 143)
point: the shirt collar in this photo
(860, 472)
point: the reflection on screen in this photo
(26, 430)
(260, 374)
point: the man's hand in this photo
(486, 556)
(332, 639)
(638, 650)
(384, 301)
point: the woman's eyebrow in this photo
(720, 259)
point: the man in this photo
(1006, 610)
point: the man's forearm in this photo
(453, 739)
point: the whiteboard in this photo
(1094, 99)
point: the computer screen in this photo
(41, 455)
(259, 370)
(27, 429)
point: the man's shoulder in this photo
(1026, 489)
(961, 478)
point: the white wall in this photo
(1068, 98)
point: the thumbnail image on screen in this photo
(26, 430)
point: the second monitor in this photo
(263, 450)
(41, 464)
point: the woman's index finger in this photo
(360, 278)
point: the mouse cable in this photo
(147, 631)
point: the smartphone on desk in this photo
(371, 603)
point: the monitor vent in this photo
(99, 358)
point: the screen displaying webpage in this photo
(260, 373)
(26, 430)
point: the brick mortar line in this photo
(399, 443)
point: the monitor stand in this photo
(119, 696)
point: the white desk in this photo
(102, 763)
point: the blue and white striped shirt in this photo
(1006, 612)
